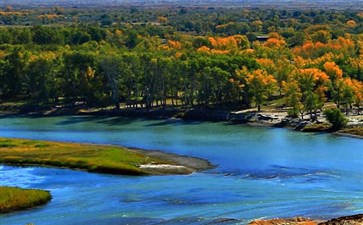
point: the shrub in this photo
(336, 118)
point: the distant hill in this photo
(288, 4)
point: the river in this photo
(260, 173)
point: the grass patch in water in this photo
(94, 158)
(12, 198)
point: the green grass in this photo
(12, 198)
(93, 158)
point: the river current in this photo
(260, 173)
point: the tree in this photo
(110, 65)
(13, 72)
(312, 83)
(42, 78)
(47, 35)
(261, 85)
(293, 97)
(336, 118)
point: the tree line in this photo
(153, 65)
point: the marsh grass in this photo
(94, 158)
(355, 130)
(317, 127)
(13, 198)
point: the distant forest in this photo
(277, 4)
(298, 59)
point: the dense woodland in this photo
(145, 57)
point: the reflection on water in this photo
(261, 172)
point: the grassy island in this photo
(13, 198)
(96, 158)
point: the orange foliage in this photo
(213, 41)
(49, 17)
(274, 42)
(261, 77)
(12, 13)
(358, 91)
(309, 49)
(223, 43)
(204, 49)
(316, 74)
(174, 44)
(265, 62)
(333, 70)
(178, 55)
(165, 47)
(351, 23)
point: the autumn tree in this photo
(261, 85)
(293, 96)
(312, 83)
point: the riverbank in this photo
(97, 158)
(269, 117)
(13, 198)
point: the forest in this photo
(182, 57)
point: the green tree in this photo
(336, 118)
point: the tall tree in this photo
(261, 85)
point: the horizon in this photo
(275, 4)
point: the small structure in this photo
(262, 38)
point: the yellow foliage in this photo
(162, 19)
(90, 73)
(2, 54)
(219, 52)
(118, 33)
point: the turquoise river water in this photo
(260, 173)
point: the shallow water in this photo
(262, 172)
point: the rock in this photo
(345, 220)
(290, 221)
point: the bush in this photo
(336, 118)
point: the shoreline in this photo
(250, 117)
